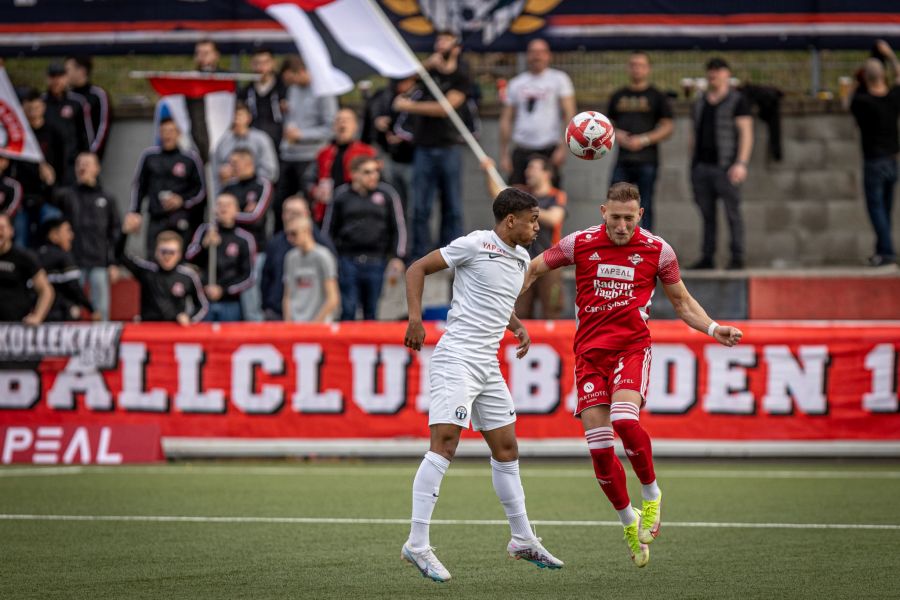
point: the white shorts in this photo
(460, 392)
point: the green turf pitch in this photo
(260, 530)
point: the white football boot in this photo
(426, 562)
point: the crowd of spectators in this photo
(313, 202)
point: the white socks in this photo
(650, 491)
(508, 486)
(627, 516)
(426, 487)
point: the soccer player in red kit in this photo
(616, 266)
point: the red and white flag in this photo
(216, 91)
(16, 138)
(342, 41)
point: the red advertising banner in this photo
(80, 444)
(816, 381)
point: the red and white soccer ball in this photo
(590, 135)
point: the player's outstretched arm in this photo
(518, 329)
(690, 311)
(415, 284)
(537, 268)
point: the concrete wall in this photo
(807, 210)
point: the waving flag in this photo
(341, 41)
(202, 104)
(16, 138)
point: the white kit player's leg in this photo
(523, 545)
(426, 488)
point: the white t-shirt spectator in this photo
(538, 122)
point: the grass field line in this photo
(404, 471)
(373, 521)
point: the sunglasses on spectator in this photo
(369, 171)
(166, 251)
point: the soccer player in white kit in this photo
(489, 269)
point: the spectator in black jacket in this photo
(20, 275)
(95, 220)
(254, 194)
(235, 252)
(79, 69)
(366, 222)
(166, 285)
(38, 179)
(71, 114)
(171, 183)
(272, 279)
(266, 98)
(10, 190)
(56, 259)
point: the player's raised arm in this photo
(690, 311)
(415, 284)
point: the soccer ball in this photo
(590, 135)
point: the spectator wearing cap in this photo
(38, 180)
(310, 276)
(272, 279)
(71, 114)
(94, 216)
(170, 183)
(267, 97)
(254, 194)
(242, 136)
(539, 102)
(307, 127)
(79, 70)
(722, 143)
(366, 222)
(235, 254)
(20, 275)
(55, 257)
(332, 166)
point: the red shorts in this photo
(601, 373)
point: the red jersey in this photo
(614, 285)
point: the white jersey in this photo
(538, 122)
(487, 280)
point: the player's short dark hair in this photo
(167, 120)
(358, 161)
(623, 192)
(262, 50)
(511, 201)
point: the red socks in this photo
(624, 417)
(609, 471)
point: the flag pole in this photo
(440, 97)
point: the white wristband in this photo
(711, 330)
